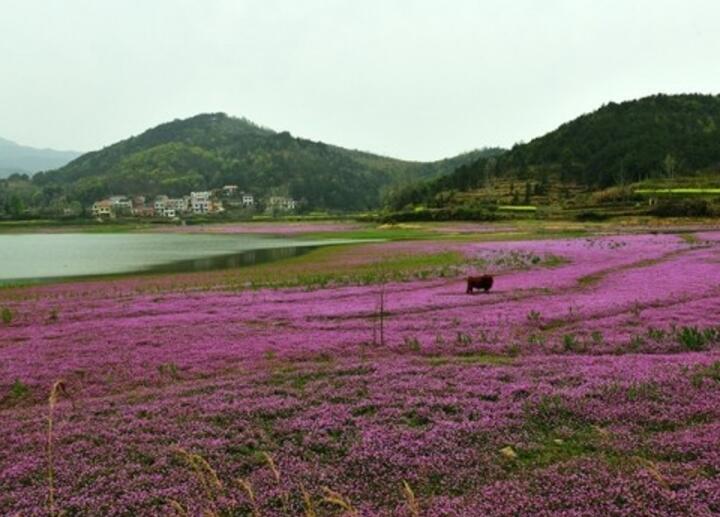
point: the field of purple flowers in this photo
(576, 387)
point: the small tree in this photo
(670, 166)
(542, 188)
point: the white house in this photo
(230, 190)
(121, 204)
(281, 203)
(160, 203)
(179, 204)
(248, 200)
(200, 202)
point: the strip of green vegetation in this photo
(395, 233)
(517, 208)
(689, 238)
(393, 269)
(678, 191)
(429, 231)
(324, 267)
(471, 359)
(77, 226)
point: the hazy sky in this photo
(417, 79)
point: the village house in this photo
(200, 202)
(119, 205)
(140, 209)
(204, 203)
(162, 206)
(281, 203)
(102, 208)
(179, 204)
(144, 211)
(230, 190)
(160, 203)
(138, 202)
(216, 206)
(248, 201)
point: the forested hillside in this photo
(659, 137)
(210, 150)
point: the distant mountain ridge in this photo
(16, 158)
(211, 150)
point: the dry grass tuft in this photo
(179, 509)
(58, 388)
(268, 459)
(285, 496)
(308, 505)
(207, 476)
(246, 487)
(214, 488)
(337, 499)
(411, 500)
(652, 469)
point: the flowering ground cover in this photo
(587, 382)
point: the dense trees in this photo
(619, 144)
(658, 136)
(210, 150)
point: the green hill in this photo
(210, 150)
(658, 139)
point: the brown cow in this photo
(484, 282)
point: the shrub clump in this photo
(6, 315)
(456, 213)
(683, 208)
(696, 339)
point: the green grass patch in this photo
(710, 372)
(74, 225)
(18, 392)
(471, 359)
(556, 433)
(678, 192)
(548, 450)
(389, 233)
(414, 419)
(291, 273)
(6, 315)
(689, 238)
(591, 279)
(696, 339)
(517, 208)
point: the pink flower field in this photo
(584, 386)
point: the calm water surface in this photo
(39, 257)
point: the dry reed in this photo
(58, 388)
(337, 499)
(411, 500)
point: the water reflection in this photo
(234, 260)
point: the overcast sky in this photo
(416, 79)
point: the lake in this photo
(42, 257)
